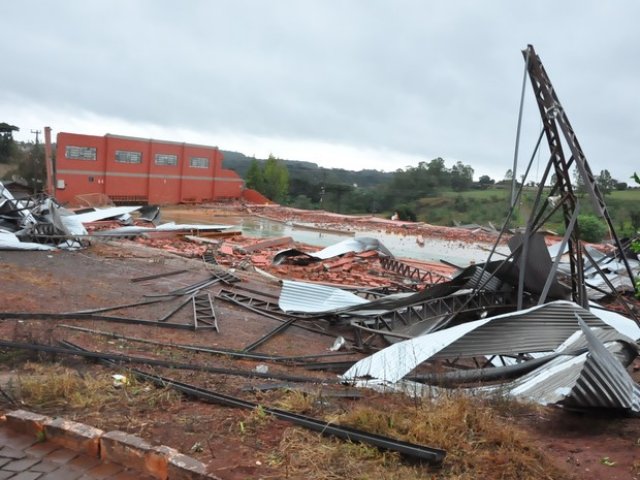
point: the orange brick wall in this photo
(144, 181)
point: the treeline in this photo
(367, 191)
(309, 172)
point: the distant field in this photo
(491, 205)
(625, 195)
(489, 194)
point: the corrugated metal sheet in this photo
(484, 279)
(312, 298)
(603, 382)
(593, 379)
(533, 330)
(537, 329)
(9, 241)
(556, 381)
(165, 227)
(355, 245)
(103, 213)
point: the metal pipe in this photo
(214, 351)
(114, 357)
(428, 454)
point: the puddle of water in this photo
(400, 245)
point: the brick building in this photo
(139, 170)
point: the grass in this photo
(491, 205)
(480, 437)
(56, 389)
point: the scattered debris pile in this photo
(40, 223)
(552, 325)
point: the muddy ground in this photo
(236, 443)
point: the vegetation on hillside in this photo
(271, 179)
(435, 193)
(22, 160)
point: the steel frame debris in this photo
(203, 311)
(553, 117)
(245, 300)
(157, 275)
(429, 309)
(409, 271)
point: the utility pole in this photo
(34, 163)
(48, 162)
(37, 132)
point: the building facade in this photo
(138, 170)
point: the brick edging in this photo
(161, 462)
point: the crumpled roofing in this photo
(104, 213)
(9, 241)
(594, 378)
(355, 245)
(537, 329)
(303, 297)
(165, 227)
(311, 298)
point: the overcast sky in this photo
(352, 84)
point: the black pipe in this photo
(113, 357)
(430, 455)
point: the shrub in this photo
(460, 204)
(406, 213)
(592, 229)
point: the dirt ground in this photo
(236, 443)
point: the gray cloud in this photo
(416, 77)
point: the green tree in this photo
(578, 183)
(437, 173)
(8, 147)
(336, 193)
(461, 177)
(406, 213)
(31, 167)
(591, 228)
(254, 178)
(276, 179)
(302, 201)
(605, 182)
(485, 181)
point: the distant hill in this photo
(310, 172)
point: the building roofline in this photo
(139, 139)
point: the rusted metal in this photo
(204, 315)
(409, 271)
(554, 117)
(157, 275)
(550, 109)
(433, 309)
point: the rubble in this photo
(550, 324)
(40, 223)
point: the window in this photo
(199, 162)
(124, 156)
(164, 159)
(80, 153)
